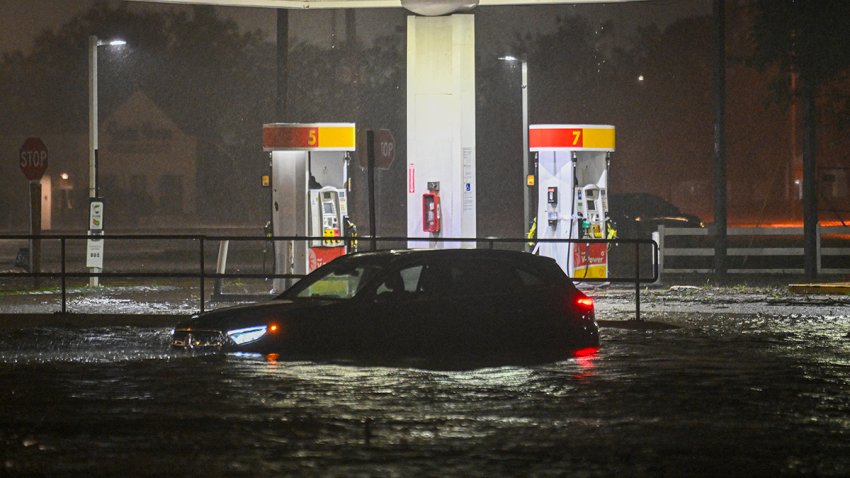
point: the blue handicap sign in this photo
(468, 187)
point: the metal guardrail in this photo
(666, 251)
(201, 274)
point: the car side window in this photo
(399, 283)
(458, 278)
(435, 280)
(483, 277)
(529, 279)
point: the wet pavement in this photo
(753, 382)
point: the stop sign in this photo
(384, 149)
(33, 158)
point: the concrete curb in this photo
(835, 288)
(636, 324)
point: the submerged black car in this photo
(409, 303)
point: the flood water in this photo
(740, 395)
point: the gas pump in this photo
(309, 192)
(592, 203)
(573, 162)
(328, 212)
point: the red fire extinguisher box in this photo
(431, 212)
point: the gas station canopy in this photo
(409, 4)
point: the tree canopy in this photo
(215, 81)
(809, 37)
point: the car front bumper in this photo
(199, 339)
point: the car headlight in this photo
(246, 335)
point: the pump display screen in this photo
(328, 208)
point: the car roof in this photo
(396, 255)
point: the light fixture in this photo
(113, 42)
(247, 334)
(433, 8)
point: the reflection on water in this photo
(739, 395)
(584, 358)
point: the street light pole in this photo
(92, 116)
(526, 191)
(93, 281)
(95, 211)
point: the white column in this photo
(441, 123)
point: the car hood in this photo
(682, 220)
(250, 314)
(677, 218)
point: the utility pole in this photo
(810, 197)
(720, 233)
(282, 60)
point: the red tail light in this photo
(586, 352)
(584, 302)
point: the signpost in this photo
(380, 153)
(32, 159)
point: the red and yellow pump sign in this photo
(308, 137)
(573, 137)
(590, 261)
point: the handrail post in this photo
(637, 281)
(201, 242)
(64, 285)
(657, 255)
(817, 249)
(657, 259)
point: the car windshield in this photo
(337, 283)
